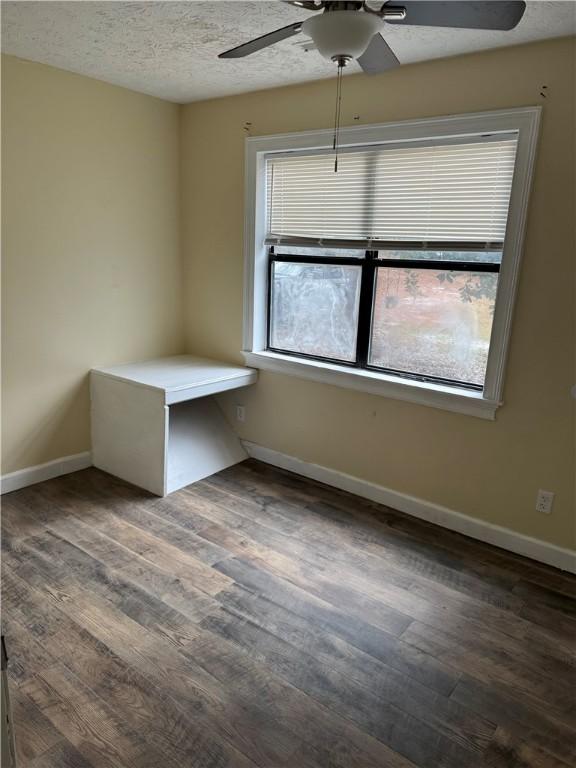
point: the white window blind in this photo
(446, 192)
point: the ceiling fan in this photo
(352, 29)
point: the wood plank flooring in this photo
(260, 620)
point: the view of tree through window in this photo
(433, 323)
(430, 312)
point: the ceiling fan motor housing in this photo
(342, 35)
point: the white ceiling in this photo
(169, 49)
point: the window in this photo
(428, 319)
(396, 273)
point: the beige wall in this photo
(90, 248)
(490, 470)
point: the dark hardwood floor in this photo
(260, 620)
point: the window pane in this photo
(486, 257)
(433, 323)
(343, 253)
(314, 309)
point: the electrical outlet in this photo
(544, 501)
(240, 413)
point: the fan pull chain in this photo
(341, 65)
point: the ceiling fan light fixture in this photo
(342, 34)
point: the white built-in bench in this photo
(156, 424)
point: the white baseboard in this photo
(31, 475)
(505, 538)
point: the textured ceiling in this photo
(169, 49)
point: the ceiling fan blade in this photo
(262, 42)
(378, 57)
(464, 14)
(309, 5)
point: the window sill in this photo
(422, 393)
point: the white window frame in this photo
(525, 121)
